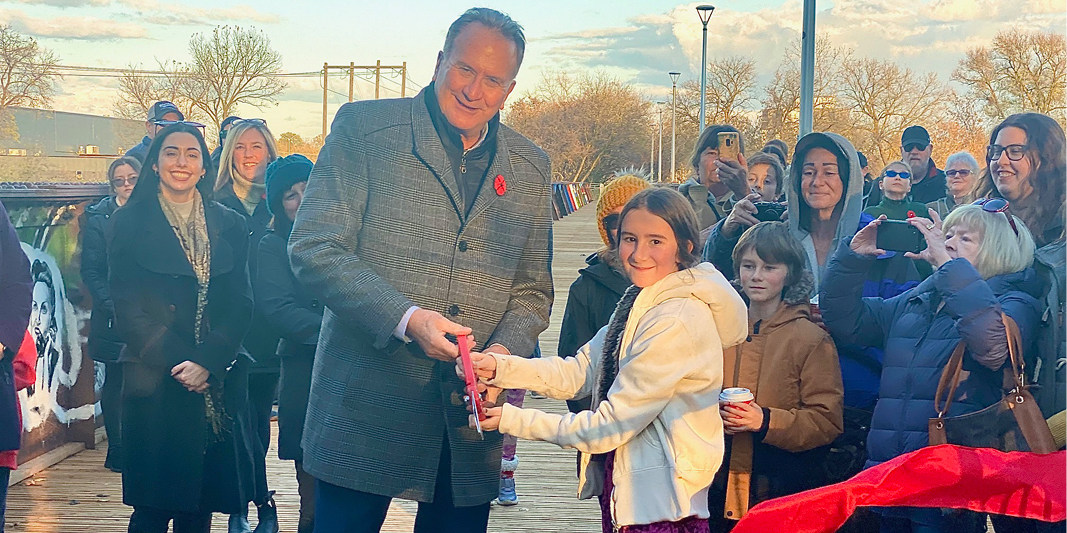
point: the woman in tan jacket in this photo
(775, 445)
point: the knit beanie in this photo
(281, 175)
(615, 193)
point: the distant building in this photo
(38, 145)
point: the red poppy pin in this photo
(500, 185)
(911, 214)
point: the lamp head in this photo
(674, 76)
(704, 12)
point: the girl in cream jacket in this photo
(654, 439)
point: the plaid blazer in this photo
(382, 228)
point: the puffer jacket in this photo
(660, 414)
(919, 330)
(890, 275)
(790, 365)
(590, 302)
(104, 341)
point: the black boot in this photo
(268, 516)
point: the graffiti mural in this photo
(61, 406)
(54, 324)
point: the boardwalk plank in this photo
(79, 495)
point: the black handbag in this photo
(1013, 424)
(10, 424)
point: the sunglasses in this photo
(165, 123)
(998, 205)
(1015, 151)
(120, 182)
(250, 121)
(898, 174)
(611, 222)
(914, 146)
(961, 173)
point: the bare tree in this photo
(590, 125)
(1020, 71)
(779, 117)
(231, 67)
(884, 99)
(28, 73)
(138, 91)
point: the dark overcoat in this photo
(173, 460)
(16, 287)
(104, 342)
(294, 313)
(382, 228)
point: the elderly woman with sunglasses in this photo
(104, 342)
(961, 173)
(982, 256)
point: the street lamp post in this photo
(652, 155)
(659, 107)
(674, 98)
(704, 12)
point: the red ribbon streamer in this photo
(1020, 484)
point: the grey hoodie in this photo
(852, 210)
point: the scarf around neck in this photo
(609, 358)
(248, 192)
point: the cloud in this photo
(926, 36)
(155, 12)
(72, 28)
(65, 3)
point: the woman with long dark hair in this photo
(183, 303)
(104, 342)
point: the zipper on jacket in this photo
(463, 161)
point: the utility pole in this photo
(659, 105)
(652, 155)
(807, 69)
(378, 79)
(351, 68)
(325, 84)
(351, 80)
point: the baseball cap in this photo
(914, 136)
(161, 108)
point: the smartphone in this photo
(729, 145)
(899, 236)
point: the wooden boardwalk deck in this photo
(79, 495)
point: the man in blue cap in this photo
(161, 111)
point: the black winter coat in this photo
(104, 341)
(292, 311)
(173, 460)
(590, 303)
(261, 342)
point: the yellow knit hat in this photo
(615, 193)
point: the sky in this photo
(636, 41)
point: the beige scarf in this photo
(249, 193)
(193, 236)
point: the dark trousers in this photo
(5, 476)
(111, 408)
(149, 520)
(306, 489)
(262, 390)
(341, 510)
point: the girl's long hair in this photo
(147, 187)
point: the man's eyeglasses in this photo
(1015, 151)
(998, 205)
(915, 146)
(121, 182)
(904, 175)
(963, 173)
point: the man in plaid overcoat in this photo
(423, 217)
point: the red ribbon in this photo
(500, 185)
(1021, 484)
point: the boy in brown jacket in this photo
(775, 445)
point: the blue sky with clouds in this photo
(638, 41)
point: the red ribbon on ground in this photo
(1026, 485)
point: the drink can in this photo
(736, 395)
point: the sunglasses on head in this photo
(165, 123)
(998, 205)
(250, 121)
(902, 174)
